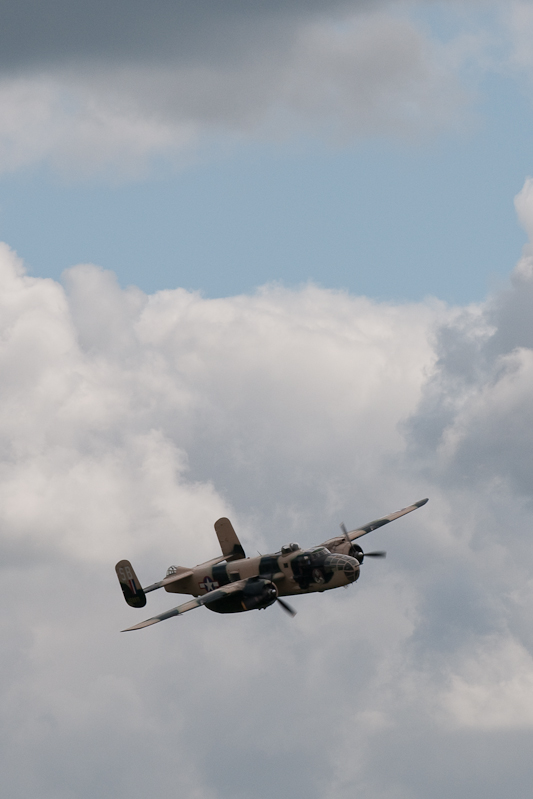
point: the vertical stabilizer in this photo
(129, 582)
(227, 537)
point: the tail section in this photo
(227, 537)
(129, 582)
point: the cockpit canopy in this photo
(288, 548)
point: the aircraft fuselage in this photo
(298, 572)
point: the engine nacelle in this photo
(259, 594)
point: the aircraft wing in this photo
(367, 528)
(197, 602)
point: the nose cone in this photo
(351, 568)
(346, 564)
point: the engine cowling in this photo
(356, 552)
(258, 594)
(343, 547)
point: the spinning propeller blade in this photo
(375, 554)
(286, 607)
(345, 531)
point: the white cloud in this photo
(495, 689)
(129, 423)
(80, 129)
(524, 209)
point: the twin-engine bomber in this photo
(242, 583)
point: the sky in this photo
(272, 262)
(371, 147)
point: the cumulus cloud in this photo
(471, 432)
(130, 422)
(494, 690)
(478, 402)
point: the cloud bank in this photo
(129, 423)
(110, 89)
(107, 89)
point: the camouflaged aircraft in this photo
(242, 583)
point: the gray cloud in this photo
(40, 35)
(103, 88)
(108, 95)
(476, 414)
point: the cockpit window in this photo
(288, 548)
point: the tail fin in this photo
(129, 582)
(227, 537)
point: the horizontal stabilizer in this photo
(172, 578)
(129, 582)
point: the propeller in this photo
(287, 608)
(360, 555)
(377, 554)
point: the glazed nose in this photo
(351, 567)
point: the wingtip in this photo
(141, 625)
(421, 502)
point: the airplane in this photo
(240, 583)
